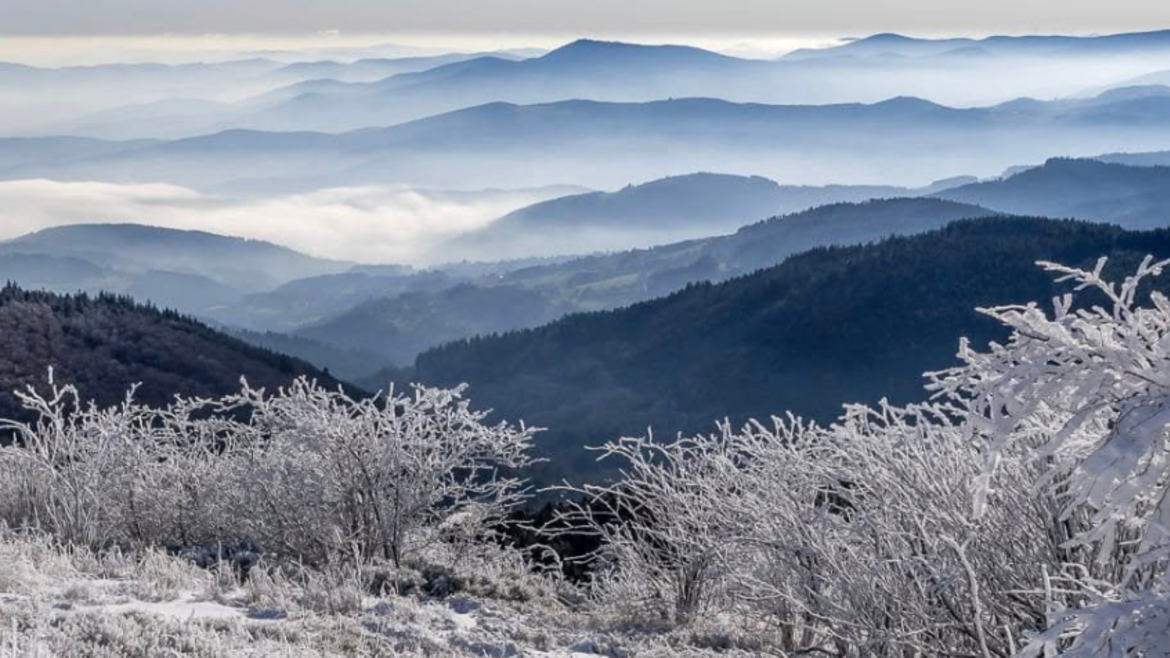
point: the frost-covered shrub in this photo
(665, 526)
(1084, 394)
(95, 476)
(322, 473)
(833, 539)
(304, 472)
(1025, 510)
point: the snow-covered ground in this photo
(67, 604)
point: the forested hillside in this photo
(398, 328)
(402, 326)
(105, 344)
(1133, 197)
(826, 327)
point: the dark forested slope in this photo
(826, 327)
(105, 344)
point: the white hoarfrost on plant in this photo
(1085, 396)
(305, 472)
(1024, 510)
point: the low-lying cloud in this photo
(372, 224)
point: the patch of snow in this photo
(185, 607)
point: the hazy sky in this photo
(839, 17)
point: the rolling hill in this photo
(659, 212)
(314, 299)
(349, 365)
(190, 293)
(238, 264)
(612, 280)
(1133, 197)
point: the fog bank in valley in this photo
(364, 224)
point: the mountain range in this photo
(335, 97)
(112, 100)
(509, 146)
(164, 109)
(898, 45)
(764, 239)
(595, 70)
(356, 319)
(390, 314)
(1132, 197)
(370, 69)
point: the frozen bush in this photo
(1024, 510)
(323, 474)
(305, 472)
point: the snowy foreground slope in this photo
(78, 603)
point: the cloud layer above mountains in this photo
(365, 224)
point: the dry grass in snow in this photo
(78, 603)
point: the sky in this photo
(125, 17)
(594, 17)
(70, 32)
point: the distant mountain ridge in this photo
(658, 212)
(336, 97)
(39, 98)
(373, 68)
(243, 264)
(1140, 159)
(32, 151)
(582, 69)
(656, 200)
(497, 145)
(886, 44)
(1132, 197)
